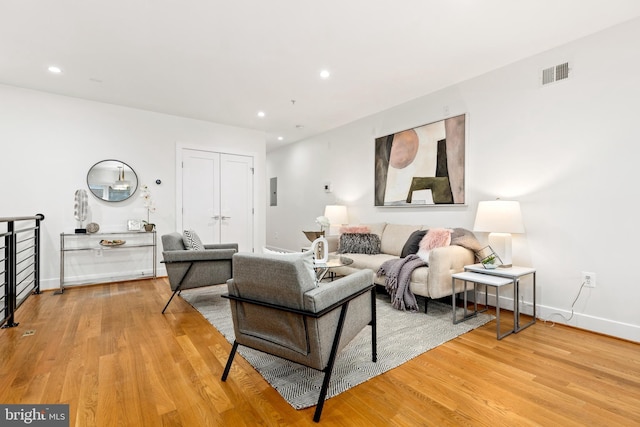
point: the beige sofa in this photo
(433, 281)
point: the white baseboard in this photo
(579, 320)
(54, 283)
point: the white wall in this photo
(49, 142)
(568, 152)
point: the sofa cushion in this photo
(372, 262)
(412, 244)
(192, 241)
(376, 228)
(355, 229)
(359, 243)
(435, 238)
(466, 239)
(395, 236)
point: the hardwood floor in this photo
(108, 352)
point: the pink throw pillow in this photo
(435, 238)
(355, 229)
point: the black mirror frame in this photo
(91, 190)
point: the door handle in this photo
(216, 217)
(226, 217)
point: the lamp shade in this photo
(499, 216)
(337, 214)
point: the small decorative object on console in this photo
(115, 242)
(92, 227)
(80, 209)
(134, 225)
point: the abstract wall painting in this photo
(423, 166)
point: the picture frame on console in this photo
(422, 166)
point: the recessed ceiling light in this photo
(324, 74)
(261, 114)
(280, 138)
(54, 69)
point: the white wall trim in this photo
(558, 315)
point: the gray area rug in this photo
(401, 337)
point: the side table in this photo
(480, 279)
(333, 262)
(514, 274)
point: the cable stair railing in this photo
(19, 264)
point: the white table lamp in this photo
(500, 218)
(337, 215)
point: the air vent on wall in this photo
(556, 73)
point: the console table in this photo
(135, 241)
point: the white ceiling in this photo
(223, 61)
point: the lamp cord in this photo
(567, 319)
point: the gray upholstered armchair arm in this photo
(329, 293)
(222, 246)
(189, 256)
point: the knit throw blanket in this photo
(398, 276)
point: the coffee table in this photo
(333, 262)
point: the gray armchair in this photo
(193, 269)
(277, 308)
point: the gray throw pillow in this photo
(466, 239)
(359, 243)
(411, 247)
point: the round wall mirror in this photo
(112, 180)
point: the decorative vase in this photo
(149, 227)
(320, 249)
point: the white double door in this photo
(217, 197)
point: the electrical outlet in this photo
(589, 279)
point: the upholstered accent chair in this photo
(187, 268)
(278, 308)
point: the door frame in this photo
(212, 149)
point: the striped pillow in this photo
(192, 241)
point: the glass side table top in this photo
(334, 261)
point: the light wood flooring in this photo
(108, 352)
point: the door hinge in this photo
(253, 171)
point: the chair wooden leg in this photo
(227, 368)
